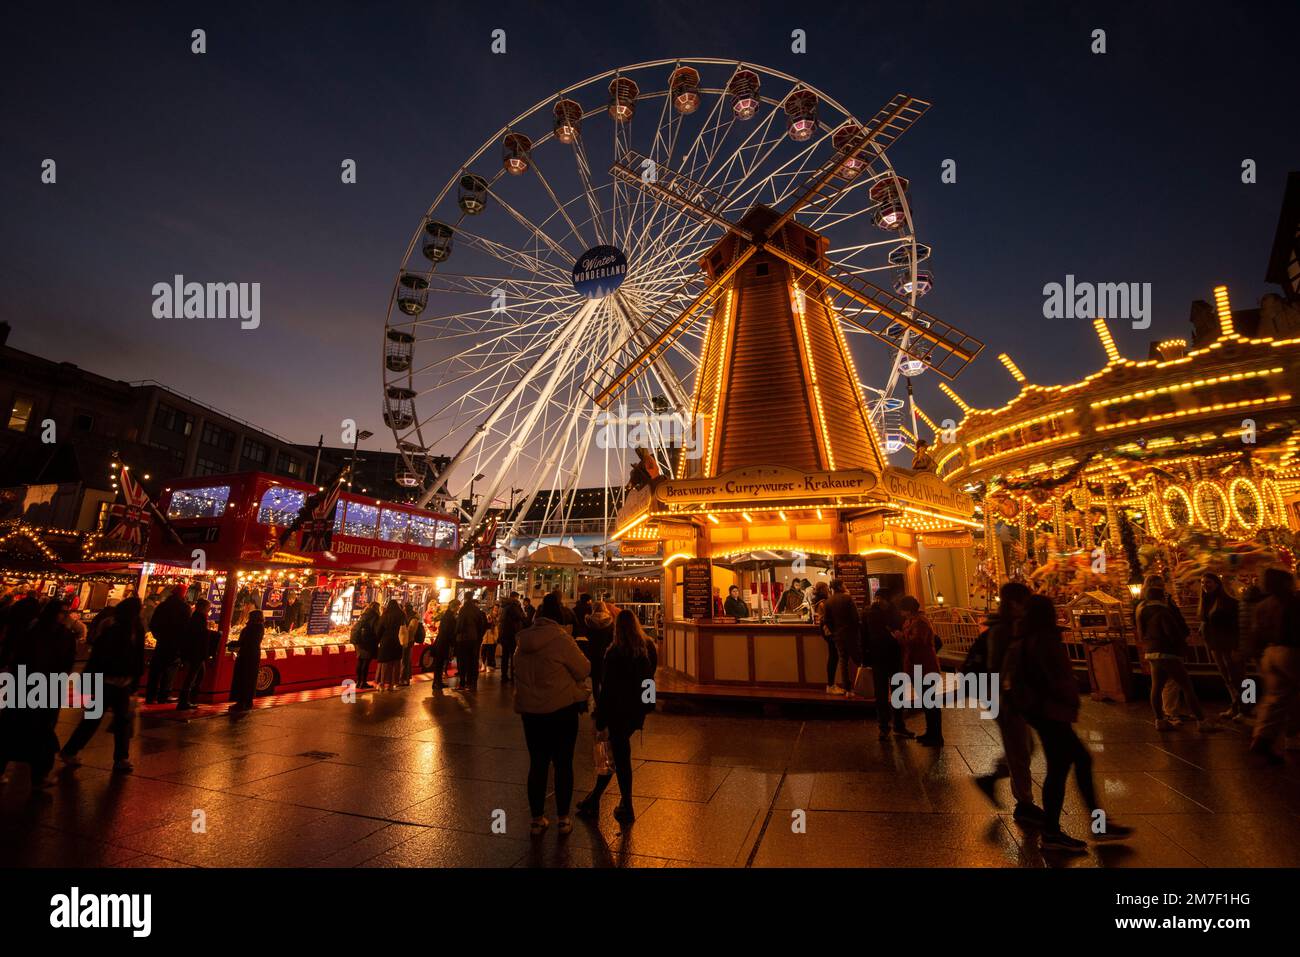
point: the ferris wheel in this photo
(572, 239)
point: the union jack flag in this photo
(318, 527)
(131, 517)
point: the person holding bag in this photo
(621, 708)
(550, 692)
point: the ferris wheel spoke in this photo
(532, 228)
(559, 207)
(593, 201)
(513, 257)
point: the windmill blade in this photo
(670, 334)
(890, 122)
(676, 189)
(942, 347)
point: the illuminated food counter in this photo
(781, 654)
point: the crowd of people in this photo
(594, 658)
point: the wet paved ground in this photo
(400, 779)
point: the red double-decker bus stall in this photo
(231, 553)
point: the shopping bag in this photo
(602, 757)
(864, 685)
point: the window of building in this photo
(204, 466)
(217, 437)
(286, 464)
(359, 520)
(446, 535)
(173, 420)
(280, 506)
(255, 453)
(422, 531)
(21, 413)
(392, 525)
(198, 502)
(83, 422)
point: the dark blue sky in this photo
(1122, 167)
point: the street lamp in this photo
(476, 478)
(356, 440)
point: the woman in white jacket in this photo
(550, 692)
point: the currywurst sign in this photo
(765, 484)
(926, 490)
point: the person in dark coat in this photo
(1220, 628)
(444, 644)
(167, 625)
(580, 612)
(414, 636)
(735, 606)
(841, 621)
(600, 635)
(1277, 628)
(471, 625)
(195, 648)
(117, 654)
(365, 639)
(390, 646)
(529, 612)
(882, 630)
(19, 616)
(1040, 678)
(47, 647)
(247, 661)
(621, 707)
(512, 622)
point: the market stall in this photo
(237, 551)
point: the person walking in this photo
(919, 651)
(195, 649)
(444, 642)
(470, 627)
(882, 631)
(1040, 681)
(168, 626)
(986, 657)
(1277, 627)
(550, 692)
(117, 654)
(248, 660)
(47, 647)
(600, 635)
(389, 655)
(621, 707)
(414, 636)
(365, 639)
(1220, 619)
(1163, 637)
(840, 620)
(512, 620)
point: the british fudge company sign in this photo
(599, 271)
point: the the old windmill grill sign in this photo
(599, 271)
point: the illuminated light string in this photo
(1217, 407)
(714, 424)
(888, 551)
(1200, 505)
(1183, 386)
(798, 302)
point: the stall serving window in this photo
(280, 506)
(198, 502)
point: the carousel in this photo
(1177, 464)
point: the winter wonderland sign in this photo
(599, 271)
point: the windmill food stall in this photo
(777, 384)
(235, 552)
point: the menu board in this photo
(852, 571)
(318, 616)
(216, 593)
(697, 588)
